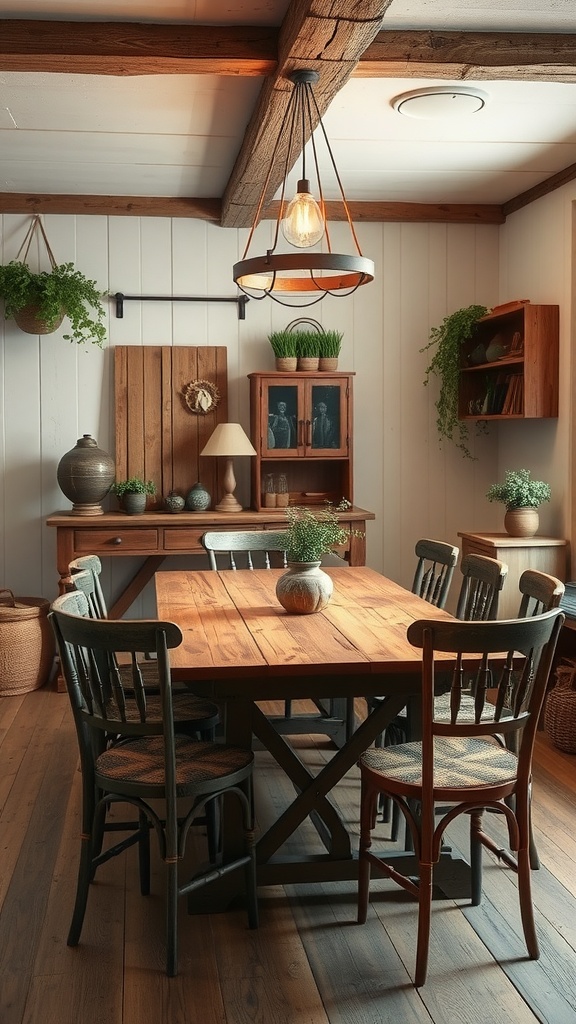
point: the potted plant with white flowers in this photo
(522, 497)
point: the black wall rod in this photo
(240, 301)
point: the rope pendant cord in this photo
(36, 228)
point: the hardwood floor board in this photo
(43, 778)
(309, 962)
(30, 731)
(549, 984)
(265, 974)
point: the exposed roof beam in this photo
(210, 209)
(121, 48)
(126, 48)
(328, 36)
(474, 56)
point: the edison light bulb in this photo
(303, 224)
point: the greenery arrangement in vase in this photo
(132, 493)
(39, 301)
(445, 364)
(305, 587)
(284, 348)
(522, 497)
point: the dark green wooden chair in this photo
(147, 762)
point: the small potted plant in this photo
(448, 338)
(307, 349)
(132, 494)
(522, 497)
(284, 348)
(330, 344)
(305, 587)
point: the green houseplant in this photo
(132, 493)
(39, 301)
(522, 496)
(445, 364)
(305, 587)
(307, 349)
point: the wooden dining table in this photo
(240, 647)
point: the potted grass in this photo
(308, 349)
(284, 348)
(133, 493)
(330, 344)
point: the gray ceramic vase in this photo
(85, 475)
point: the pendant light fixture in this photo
(302, 277)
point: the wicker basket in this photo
(26, 644)
(560, 710)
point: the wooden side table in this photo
(548, 554)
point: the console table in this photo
(157, 535)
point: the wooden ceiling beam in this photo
(471, 56)
(210, 209)
(121, 48)
(112, 206)
(327, 36)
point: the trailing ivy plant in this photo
(59, 290)
(445, 364)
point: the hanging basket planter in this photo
(29, 320)
(39, 301)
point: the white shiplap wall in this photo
(52, 392)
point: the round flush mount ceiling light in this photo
(440, 102)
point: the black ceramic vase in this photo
(85, 475)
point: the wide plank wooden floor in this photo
(309, 962)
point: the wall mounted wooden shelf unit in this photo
(523, 382)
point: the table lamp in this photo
(228, 440)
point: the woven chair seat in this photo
(457, 762)
(141, 761)
(187, 708)
(467, 710)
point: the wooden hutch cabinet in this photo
(301, 428)
(520, 378)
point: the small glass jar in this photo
(282, 495)
(269, 493)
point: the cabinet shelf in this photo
(523, 383)
(301, 429)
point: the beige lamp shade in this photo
(228, 440)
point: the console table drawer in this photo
(186, 540)
(135, 542)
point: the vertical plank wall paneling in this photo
(53, 392)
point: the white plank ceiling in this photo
(179, 135)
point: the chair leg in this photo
(475, 858)
(250, 871)
(424, 915)
(287, 709)
(172, 918)
(368, 804)
(524, 879)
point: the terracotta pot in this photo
(304, 588)
(521, 522)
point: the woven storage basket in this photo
(560, 710)
(26, 643)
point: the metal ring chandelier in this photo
(298, 278)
